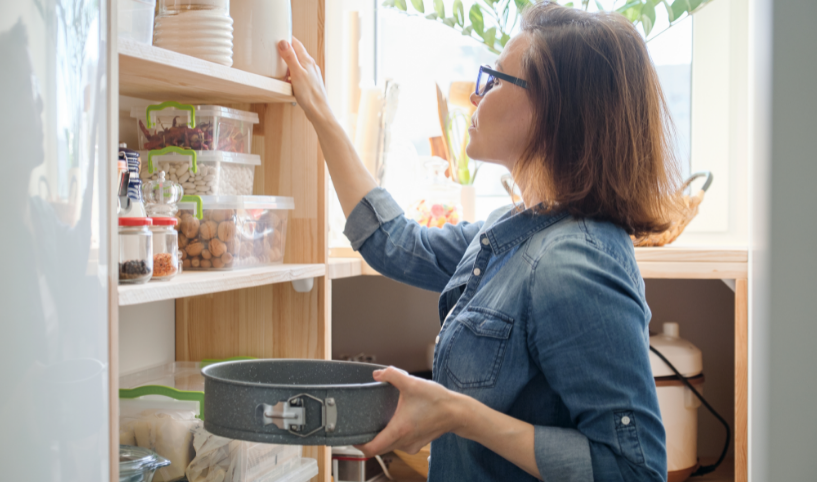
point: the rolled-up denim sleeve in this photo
(589, 337)
(400, 248)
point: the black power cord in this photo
(704, 469)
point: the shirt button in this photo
(477, 272)
(625, 420)
(437, 340)
(485, 241)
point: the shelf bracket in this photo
(303, 285)
(730, 283)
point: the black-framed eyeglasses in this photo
(487, 78)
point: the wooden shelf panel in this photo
(194, 283)
(668, 262)
(153, 73)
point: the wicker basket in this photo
(686, 213)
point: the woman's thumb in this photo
(288, 54)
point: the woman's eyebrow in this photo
(498, 65)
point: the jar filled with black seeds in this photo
(135, 250)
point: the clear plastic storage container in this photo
(135, 20)
(210, 128)
(138, 464)
(179, 387)
(135, 250)
(166, 257)
(217, 173)
(234, 232)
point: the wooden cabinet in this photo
(253, 312)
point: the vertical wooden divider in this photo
(274, 321)
(741, 380)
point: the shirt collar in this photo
(514, 227)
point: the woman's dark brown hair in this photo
(601, 144)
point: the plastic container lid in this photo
(201, 110)
(135, 461)
(208, 156)
(164, 221)
(683, 355)
(135, 222)
(241, 202)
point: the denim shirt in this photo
(544, 319)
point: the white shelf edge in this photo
(195, 283)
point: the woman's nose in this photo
(475, 98)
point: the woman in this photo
(541, 368)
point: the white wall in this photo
(783, 429)
(147, 335)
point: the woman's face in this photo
(502, 121)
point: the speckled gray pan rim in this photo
(235, 390)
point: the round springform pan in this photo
(302, 402)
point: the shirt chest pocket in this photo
(477, 347)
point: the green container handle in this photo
(131, 393)
(176, 150)
(197, 200)
(164, 105)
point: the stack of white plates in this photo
(205, 34)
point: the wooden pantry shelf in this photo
(194, 283)
(153, 73)
(669, 262)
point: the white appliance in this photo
(679, 406)
(54, 244)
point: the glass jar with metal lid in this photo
(135, 250)
(166, 256)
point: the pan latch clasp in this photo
(290, 414)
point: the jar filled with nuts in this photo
(135, 250)
(166, 256)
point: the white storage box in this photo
(234, 232)
(218, 173)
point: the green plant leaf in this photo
(432, 16)
(521, 4)
(670, 14)
(694, 4)
(679, 7)
(439, 7)
(568, 5)
(459, 13)
(629, 5)
(648, 17)
(388, 3)
(450, 21)
(418, 5)
(401, 4)
(504, 39)
(490, 2)
(489, 36)
(599, 6)
(475, 15)
(633, 14)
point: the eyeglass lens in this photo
(484, 82)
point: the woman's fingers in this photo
(393, 375)
(383, 443)
(300, 51)
(289, 56)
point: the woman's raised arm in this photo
(351, 178)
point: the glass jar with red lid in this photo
(135, 250)
(166, 256)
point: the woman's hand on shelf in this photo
(306, 79)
